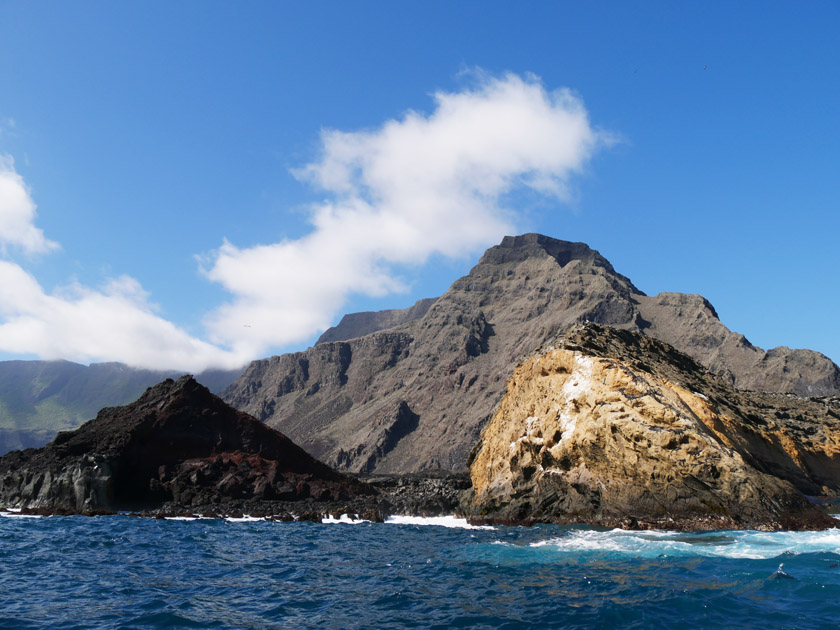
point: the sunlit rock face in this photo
(617, 429)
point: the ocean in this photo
(126, 572)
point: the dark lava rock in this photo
(429, 494)
(177, 443)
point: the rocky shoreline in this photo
(603, 427)
(422, 494)
(431, 494)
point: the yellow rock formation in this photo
(580, 437)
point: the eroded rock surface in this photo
(610, 427)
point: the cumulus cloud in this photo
(414, 187)
(17, 214)
(116, 323)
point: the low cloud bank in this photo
(113, 323)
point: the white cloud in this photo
(116, 323)
(417, 186)
(17, 214)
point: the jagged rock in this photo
(450, 366)
(422, 494)
(612, 428)
(177, 443)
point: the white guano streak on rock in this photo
(579, 381)
(575, 386)
(528, 436)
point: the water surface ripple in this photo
(123, 572)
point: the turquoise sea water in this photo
(124, 572)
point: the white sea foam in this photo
(243, 519)
(344, 518)
(15, 513)
(441, 521)
(726, 544)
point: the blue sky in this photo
(214, 181)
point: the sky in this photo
(199, 184)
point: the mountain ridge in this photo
(415, 396)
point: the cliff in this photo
(609, 427)
(415, 396)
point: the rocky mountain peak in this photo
(415, 391)
(533, 247)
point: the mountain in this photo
(614, 428)
(40, 398)
(415, 396)
(177, 443)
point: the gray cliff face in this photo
(85, 485)
(415, 396)
(690, 323)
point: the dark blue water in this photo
(123, 572)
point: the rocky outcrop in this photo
(177, 443)
(612, 428)
(450, 366)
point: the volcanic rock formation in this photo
(177, 443)
(613, 428)
(415, 396)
